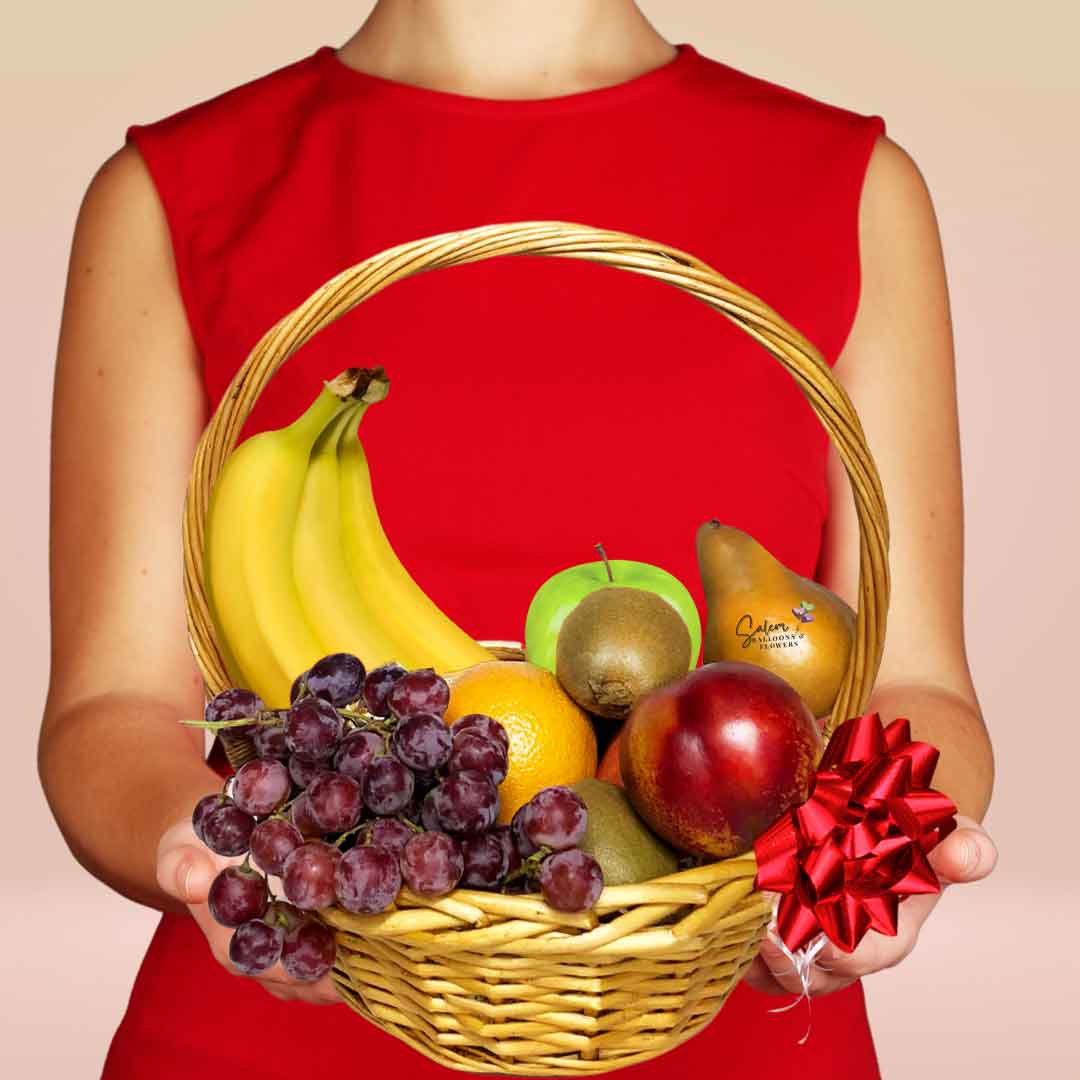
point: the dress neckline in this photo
(686, 59)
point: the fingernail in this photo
(971, 856)
(185, 888)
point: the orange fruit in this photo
(551, 737)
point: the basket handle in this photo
(565, 240)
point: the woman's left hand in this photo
(966, 854)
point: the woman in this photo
(537, 405)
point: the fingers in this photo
(275, 981)
(779, 968)
(773, 973)
(966, 854)
(185, 872)
(277, 984)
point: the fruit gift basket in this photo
(504, 982)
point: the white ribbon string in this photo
(802, 962)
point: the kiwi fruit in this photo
(618, 644)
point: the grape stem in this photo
(264, 719)
(530, 867)
(366, 721)
(352, 832)
(280, 811)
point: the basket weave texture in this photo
(486, 982)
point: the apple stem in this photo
(607, 565)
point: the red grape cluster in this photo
(546, 832)
(360, 787)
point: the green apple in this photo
(562, 592)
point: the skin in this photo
(122, 673)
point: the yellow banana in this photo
(341, 617)
(412, 619)
(247, 657)
(249, 537)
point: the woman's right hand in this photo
(185, 870)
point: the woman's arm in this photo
(120, 772)
(899, 371)
(898, 368)
(116, 766)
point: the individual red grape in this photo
(390, 833)
(269, 739)
(420, 691)
(377, 686)
(368, 879)
(466, 803)
(432, 864)
(338, 678)
(388, 786)
(422, 742)
(487, 860)
(227, 830)
(234, 704)
(300, 813)
(309, 951)
(524, 846)
(334, 801)
(272, 842)
(256, 946)
(237, 894)
(505, 836)
(357, 751)
(261, 786)
(282, 914)
(478, 753)
(571, 880)
(303, 771)
(429, 815)
(481, 724)
(313, 729)
(308, 875)
(202, 808)
(556, 818)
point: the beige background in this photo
(986, 103)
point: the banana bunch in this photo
(298, 565)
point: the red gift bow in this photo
(846, 857)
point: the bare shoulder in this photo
(892, 167)
(903, 299)
(121, 205)
(123, 297)
(896, 210)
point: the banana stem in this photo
(365, 386)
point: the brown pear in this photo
(760, 612)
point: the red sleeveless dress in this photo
(538, 405)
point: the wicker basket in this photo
(486, 982)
